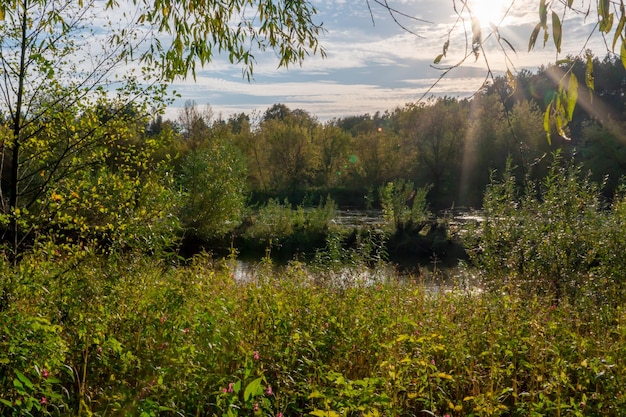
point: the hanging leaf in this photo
(476, 32)
(623, 53)
(605, 16)
(438, 59)
(546, 122)
(556, 31)
(509, 44)
(543, 13)
(620, 28)
(533, 37)
(511, 80)
(572, 96)
(589, 78)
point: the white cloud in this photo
(378, 66)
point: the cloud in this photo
(375, 65)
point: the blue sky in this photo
(378, 66)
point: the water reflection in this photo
(433, 278)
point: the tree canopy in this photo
(79, 81)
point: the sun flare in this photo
(488, 11)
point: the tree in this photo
(288, 139)
(56, 65)
(438, 134)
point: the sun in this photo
(489, 11)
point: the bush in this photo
(556, 236)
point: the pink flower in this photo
(224, 390)
(279, 414)
(230, 387)
(186, 331)
(256, 407)
(432, 361)
(45, 373)
(162, 319)
(256, 355)
(269, 390)
(43, 401)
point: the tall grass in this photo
(133, 336)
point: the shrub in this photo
(556, 236)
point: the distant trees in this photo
(450, 145)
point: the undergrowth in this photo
(134, 336)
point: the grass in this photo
(82, 335)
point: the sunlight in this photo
(489, 11)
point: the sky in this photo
(372, 64)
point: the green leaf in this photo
(605, 15)
(546, 122)
(438, 59)
(556, 31)
(623, 53)
(589, 78)
(620, 28)
(23, 379)
(543, 13)
(533, 37)
(572, 96)
(253, 389)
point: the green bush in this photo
(556, 236)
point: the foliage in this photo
(555, 237)
(279, 226)
(404, 207)
(213, 183)
(131, 335)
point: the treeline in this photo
(450, 145)
(110, 173)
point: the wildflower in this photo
(230, 387)
(43, 401)
(256, 407)
(432, 361)
(224, 390)
(45, 373)
(163, 345)
(256, 355)
(100, 350)
(269, 390)
(186, 331)
(279, 414)
(162, 319)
